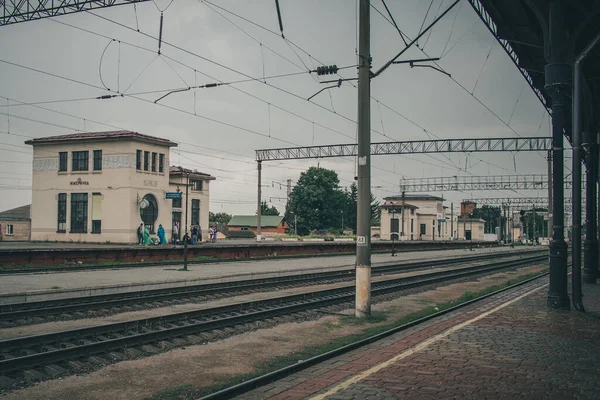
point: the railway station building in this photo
(100, 186)
(425, 218)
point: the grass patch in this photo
(375, 318)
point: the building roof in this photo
(175, 170)
(415, 197)
(101, 136)
(266, 221)
(396, 204)
(22, 213)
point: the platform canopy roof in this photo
(521, 26)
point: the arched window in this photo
(149, 213)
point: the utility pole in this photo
(534, 232)
(259, 208)
(363, 212)
(289, 189)
(403, 203)
(452, 220)
(186, 236)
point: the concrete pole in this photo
(403, 204)
(185, 237)
(452, 220)
(557, 78)
(259, 205)
(363, 212)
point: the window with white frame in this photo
(9, 229)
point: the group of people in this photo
(144, 238)
(196, 232)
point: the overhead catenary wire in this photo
(305, 52)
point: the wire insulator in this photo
(160, 33)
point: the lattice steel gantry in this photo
(15, 11)
(409, 147)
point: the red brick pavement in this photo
(521, 351)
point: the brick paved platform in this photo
(509, 347)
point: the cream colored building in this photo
(99, 187)
(425, 218)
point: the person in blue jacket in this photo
(161, 234)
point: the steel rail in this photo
(51, 348)
(48, 308)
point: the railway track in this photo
(39, 357)
(19, 314)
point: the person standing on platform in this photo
(199, 234)
(215, 231)
(175, 233)
(194, 234)
(140, 234)
(146, 235)
(161, 234)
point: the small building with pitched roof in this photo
(15, 224)
(270, 225)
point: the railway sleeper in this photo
(116, 356)
(76, 365)
(133, 353)
(6, 382)
(54, 370)
(97, 360)
(32, 375)
(150, 349)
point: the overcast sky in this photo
(219, 128)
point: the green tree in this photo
(266, 210)
(351, 205)
(491, 215)
(221, 217)
(316, 201)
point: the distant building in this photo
(15, 224)
(99, 187)
(270, 225)
(425, 218)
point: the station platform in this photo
(507, 346)
(48, 286)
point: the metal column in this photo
(363, 212)
(557, 78)
(549, 194)
(576, 188)
(590, 245)
(259, 204)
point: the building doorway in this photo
(177, 221)
(468, 235)
(394, 226)
(149, 212)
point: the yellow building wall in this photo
(121, 187)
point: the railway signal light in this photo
(327, 70)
